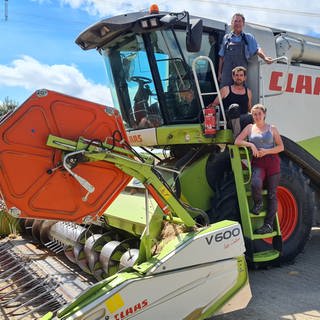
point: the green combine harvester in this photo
(113, 229)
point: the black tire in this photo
(295, 184)
(217, 166)
(224, 204)
(317, 209)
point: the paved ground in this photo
(291, 292)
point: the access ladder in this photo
(195, 65)
(256, 253)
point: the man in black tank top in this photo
(237, 94)
(241, 99)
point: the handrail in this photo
(249, 164)
(284, 80)
(200, 94)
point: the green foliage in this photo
(7, 105)
(8, 224)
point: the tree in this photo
(8, 224)
(7, 105)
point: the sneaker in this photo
(266, 228)
(257, 208)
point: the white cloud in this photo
(302, 17)
(107, 7)
(30, 74)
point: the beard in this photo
(239, 82)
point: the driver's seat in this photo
(141, 102)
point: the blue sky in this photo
(38, 49)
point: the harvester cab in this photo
(149, 66)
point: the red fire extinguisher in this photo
(210, 121)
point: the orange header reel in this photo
(33, 182)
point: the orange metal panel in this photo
(25, 158)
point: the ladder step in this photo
(242, 151)
(264, 236)
(264, 192)
(266, 255)
(208, 93)
(262, 214)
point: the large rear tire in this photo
(296, 205)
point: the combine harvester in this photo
(174, 249)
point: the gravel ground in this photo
(291, 292)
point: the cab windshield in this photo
(150, 81)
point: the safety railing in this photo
(217, 92)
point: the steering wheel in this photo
(142, 80)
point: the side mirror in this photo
(194, 35)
